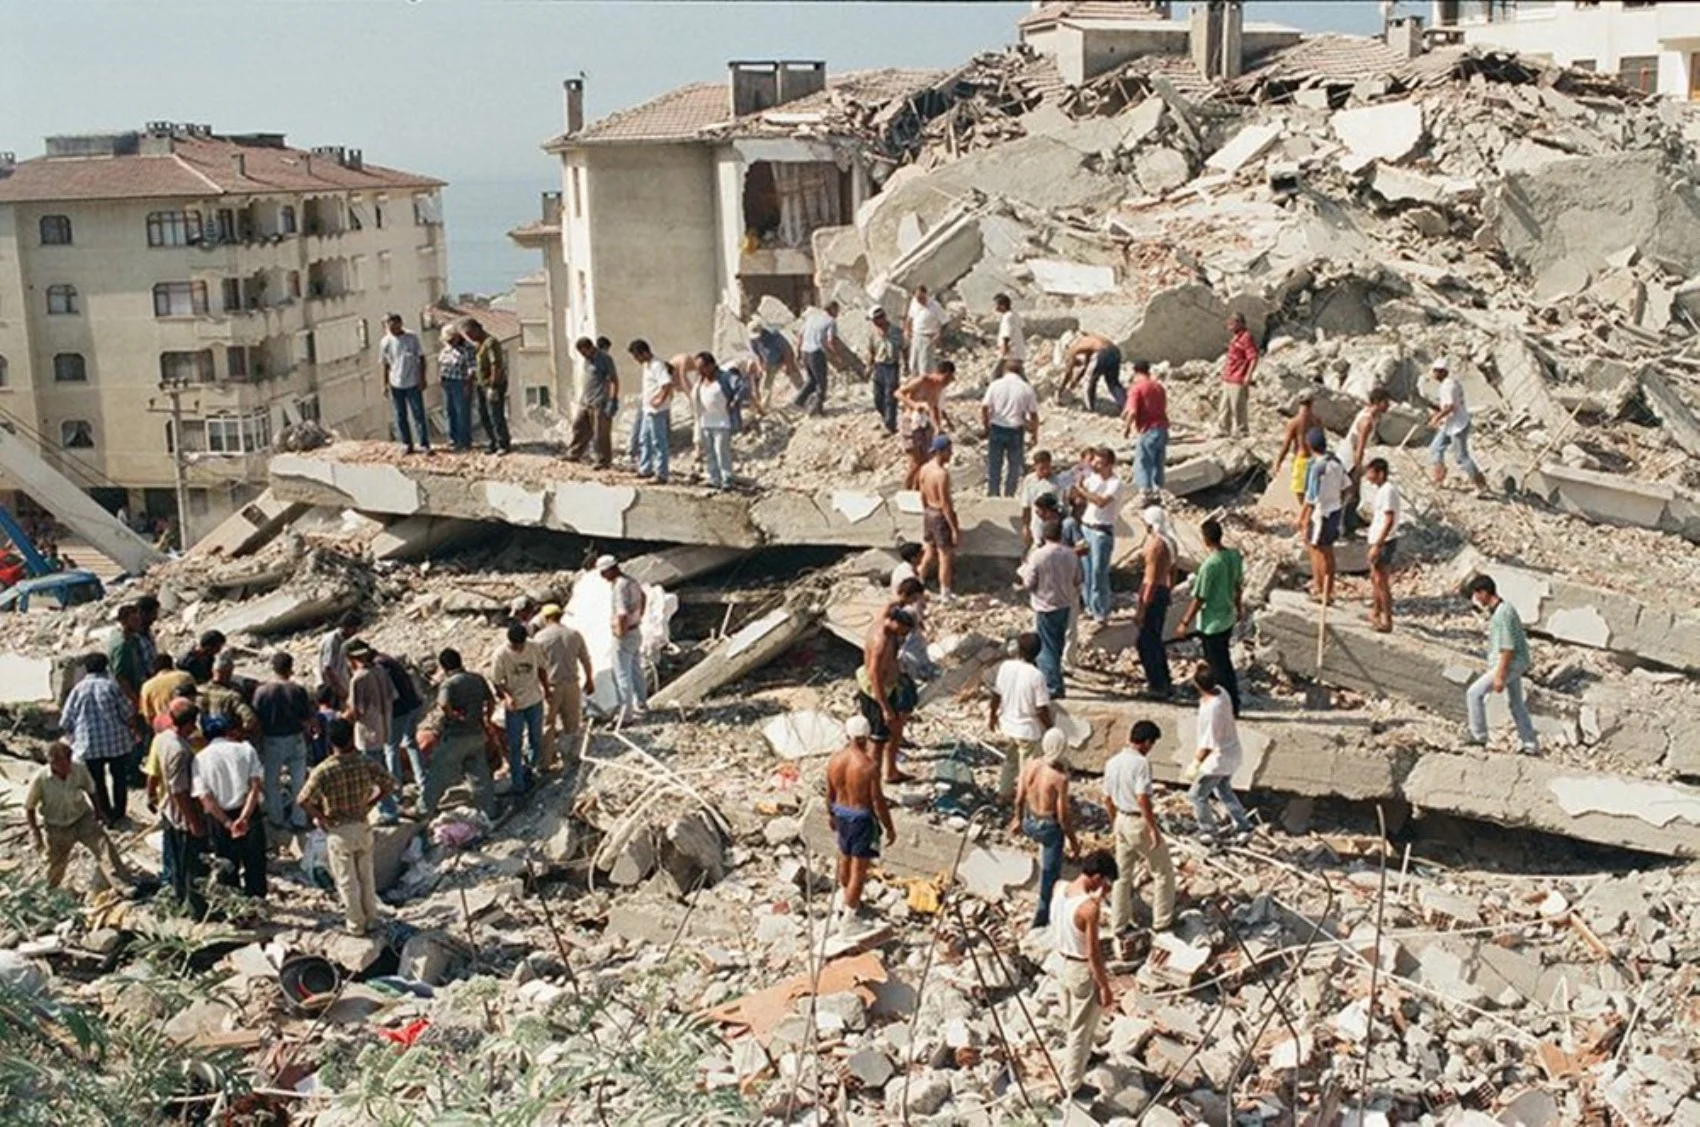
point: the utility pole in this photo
(173, 388)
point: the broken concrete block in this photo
(249, 528)
(25, 680)
(991, 873)
(1189, 322)
(1614, 499)
(737, 655)
(635, 860)
(282, 612)
(693, 854)
(1389, 132)
(943, 254)
(1073, 279)
(1523, 383)
(426, 957)
(1400, 185)
(1679, 419)
(389, 843)
(869, 1068)
(1160, 170)
(422, 535)
(1246, 146)
(800, 735)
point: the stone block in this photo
(1613, 499)
(1389, 132)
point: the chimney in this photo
(1215, 30)
(755, 86)
(239, 163)
(572, 96)
(1405, 36)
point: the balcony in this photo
(775, 260)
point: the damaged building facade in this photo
(1650, 46)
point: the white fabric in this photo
(1127, 776)
(1109, 487)
(1362, 424)
(925, 318)
(1071, 938)
(1452, 395)
(1388, 511)
(1010, 329)
(1218, 731)
(1010, 400)
(1021, 694)
(712, 410)
(1331, 483)
(818, 329)
(1156, 518)
(904, 570)
(403, 359)
(656, 376)
(224, 769)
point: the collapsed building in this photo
(1425, 933)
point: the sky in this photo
(464, 90)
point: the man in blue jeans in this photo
(885, 362)
(1452, 420)
(1147, 415)
(1100, 495)
(1042, 813)
(285, 713)
(1010, 413)
(520, 676)
(401, 362)
(1508, 661)
(1051, 576)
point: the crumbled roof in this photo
(1329, 57)
(196, 166)
(1089, 10)
(702, 111)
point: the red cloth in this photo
(1242, 354)
(1150, 405)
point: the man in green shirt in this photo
(1508, 660)
(1218, 592)
(491, 371)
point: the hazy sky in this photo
(460, 89)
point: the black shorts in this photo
(858, 832)
(1325, 531)
(903, 698)
(936, 530)
(1389, 552)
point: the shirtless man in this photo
(940, 530)
(1094, 357)
(1042, 813)
(856, 810)
(922, 400)
(880, 691)
(1154, 595)
(1300, 425)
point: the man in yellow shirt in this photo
(162, 685)
(62, 795)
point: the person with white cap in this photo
(1452, 418)
(568, 658)
(885, 363)
(628, 599)
(1042, 813)
(1152, 612)
(856, 811)
(773, 352)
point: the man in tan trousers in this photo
(339, 797)
(571, 679)
(1127, 794)
(62, 795)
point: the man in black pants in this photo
(1218, 591)
(229, 781)
(180, 816)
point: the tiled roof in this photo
(701, 109)
(1333, 58)
(500, 323)
(196, 166)
(1090, 10)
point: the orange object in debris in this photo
(407, 1034)
(764, 1009)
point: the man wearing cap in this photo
(1009, 411)
(401, 366)
(922, 399)
(817, 338)
(339, 796)
(1152, 613)
(571, 677)
(1042, 813)
(371, 704)
(1147, 415)
(881, 694)
(885, 363)
(940, 530)
(1238, 367)
(228, 782)
(1323, 512)
(1452, 418)
(1020, 710)
(628, 600)
(1051, 577)
(925, 320)
(594, 423)
(856, 811)
(61, 794)
(773, 352)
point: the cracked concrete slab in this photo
(1614, 499)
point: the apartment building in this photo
(706, 197)
(1651, 45)
(242, 278)
(544, 358)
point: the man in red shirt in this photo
(1147, 415)
(1237, 370)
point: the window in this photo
(578, 191)
(55, 230)
(378, 207)
(186, 367)
(226, 225)
(386, 272)
(232, 294)
(61, 299)
(1639, 72)
(1628, 4)
(173, 228)
(236, 362)
(426, 210)
(1585, 64)
(68, 367)
(286, 220)
(308, 409)
(356, 215)
(179, 299)
(2, 371)
(363, 332)
(295, 283)
(239, 434)
(76, 434)
(537, 397)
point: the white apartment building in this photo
(251, 277)
(1652, 45)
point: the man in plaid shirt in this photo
(339, 797)
(97, 721)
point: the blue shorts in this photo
(858, 832)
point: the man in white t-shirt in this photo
(1388, 510)
(1452, 418)
(925, 321)
(1322, 514)
(655, 417)
(1041, 480)
(1012, 335)
(1009, 411)
(1127, 794)
(1101, 495)
(403, 362)
(1218, 757)
(1020, 710)
(228, 782)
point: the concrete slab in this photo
(737, 655)
(284, 611)
(1385, 132)
(1072, 279)
(25, 680)
(415, 537)
(1679, 420)
(671, 566)
(1613, 499)
(1246, 146)
(249, 528)
(801, 735)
